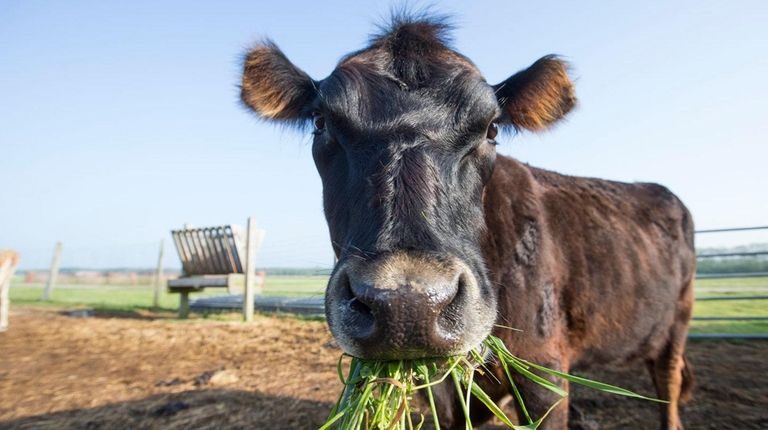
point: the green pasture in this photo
(731, 283)
(125, 297)
(731, 288)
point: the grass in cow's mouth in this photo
(377, 394)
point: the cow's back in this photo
(607, 264)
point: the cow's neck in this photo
(513, 217)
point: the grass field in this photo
(733, 308)
(731, 283)
(126, 298)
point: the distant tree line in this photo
(746, 264)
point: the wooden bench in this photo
(9, 260)
(216, 257)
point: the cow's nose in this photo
(384, 298)
(399, 306)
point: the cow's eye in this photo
(319, 121)
(493, 130)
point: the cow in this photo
(441, 241)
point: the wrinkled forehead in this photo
(368, 92)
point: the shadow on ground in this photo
(199, 409)
(147, 313)
(126, 372)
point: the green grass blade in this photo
(507, 327)
(377, 394)
(516, 392)
(546, 383)
(421, 423)
(491, 405)
(469, 383)
(454, 364)
(424, 370)
(535, 425)
(340, 370)
(521, 367)
(601, 386)
(464, 407)
(330, 421)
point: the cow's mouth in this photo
(407, 305)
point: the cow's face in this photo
(404, 141)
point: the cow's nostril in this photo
(356, 305)
(349, 294)
(461, 287)
(454, 294)
(344, 289)
(449, 317)
(360, 312)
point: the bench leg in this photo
(184, 305)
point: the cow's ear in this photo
(537, 97)
(274, 88)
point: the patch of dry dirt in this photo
(145, 372)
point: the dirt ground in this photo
(139, 371)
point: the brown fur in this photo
(538, 96)
(595, 273)
(689, 381)
(272, 86)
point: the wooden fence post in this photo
(250, 269)
(158, 278)
(54, 272)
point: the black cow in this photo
(439, 238)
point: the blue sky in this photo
(120, 120)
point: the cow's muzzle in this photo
(406, 305)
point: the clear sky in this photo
(120, 120)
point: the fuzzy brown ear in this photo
(538, 96)
(273, 87)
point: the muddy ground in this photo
(148, 371)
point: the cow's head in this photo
(404, 140)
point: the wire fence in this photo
(731, 297)
(726, 287)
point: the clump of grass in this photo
(377, 395)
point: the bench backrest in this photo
(211, 250)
